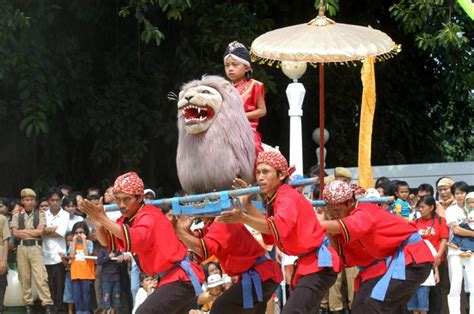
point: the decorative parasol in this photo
(321, 41)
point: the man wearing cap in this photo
(392, 257)
(343, 174)
(241, 256)
(149, 195)
(27, 227)
(446, 198)
(145, 231)
(291, 224)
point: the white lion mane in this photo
(209, 161)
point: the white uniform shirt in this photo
(53, 245)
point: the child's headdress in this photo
(237, 51)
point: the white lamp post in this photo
(316, 140)
(295, 93)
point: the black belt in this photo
(30, 242)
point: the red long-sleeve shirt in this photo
(296, 230)
(370, 234)
(237, 250)
(150, 235)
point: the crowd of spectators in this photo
(53, 243)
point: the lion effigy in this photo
(216, 141)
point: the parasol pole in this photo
(321, 114)
(321, 129)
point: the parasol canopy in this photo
(321, 41)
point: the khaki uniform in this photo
(336, 298)
(4, 235)
(30, 262)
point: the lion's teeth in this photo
(199, 110)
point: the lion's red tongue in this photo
(193, 114)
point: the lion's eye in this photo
(205, 91)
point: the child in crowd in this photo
(213, 268)
(470, 209)
(239, 71)
(401, 207)
(215, 288)
(434, 229)
(110, 279)
(148, 285)
(68, 296)
(82, 267)
(69, 204)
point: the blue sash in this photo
(323, 254)
(185, 264)
(249, 277)
(396, 269)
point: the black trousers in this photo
(3, 288)
(232, 300)
(174, 298)
(56, 279)
(398, 294)
(309, 291)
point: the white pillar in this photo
(295, 93)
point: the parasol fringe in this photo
(396, 49)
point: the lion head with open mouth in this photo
(199, 106)
(216, 141)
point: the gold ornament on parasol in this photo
(321, 41)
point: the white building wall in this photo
(416, 174)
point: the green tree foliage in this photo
(444, 35)
(84, 86)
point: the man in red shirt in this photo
(291, 224)
(390, 253)
(145, 231)
(239, 255)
